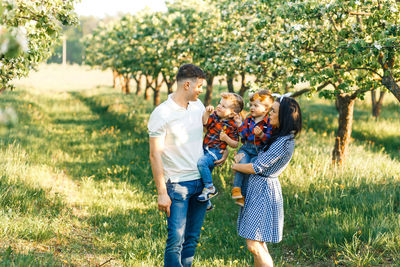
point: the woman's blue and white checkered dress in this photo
(261, 218)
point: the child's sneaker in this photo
(240, 201)
(236, 193)
(207, 194)
(210, 206)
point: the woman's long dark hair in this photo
(290, 120)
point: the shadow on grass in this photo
(24, 199)
(323, 118)
(108, 119)
(26, 131)
(124, 155)
(390, 143)
(318, 218)
(73, 121)
(9, 257)
(141, 234)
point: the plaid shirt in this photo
(246, 130)
(214, 127)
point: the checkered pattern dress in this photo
(261, 218)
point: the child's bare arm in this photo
(206, 115)
(224, 137)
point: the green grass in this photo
(76, 186)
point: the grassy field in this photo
(76, 186)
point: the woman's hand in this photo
(234, 166)
(238, 157)
(246, 168)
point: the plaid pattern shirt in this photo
(214, 127)
(246, 131)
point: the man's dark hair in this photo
(188, 71)
(290, 119)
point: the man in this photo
(176, 135)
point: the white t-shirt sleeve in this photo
(201, 105)
(156, 126)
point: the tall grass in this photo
(76, 187)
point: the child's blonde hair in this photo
(236, 100)
(265, 98)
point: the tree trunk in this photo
(64, 56)
(169, 87)
(243, 87)
(122, 82)
(115, 77)
(156, 95)
(156, 90)
(229, 82)
(389, 82)
(147, 87)
(138, 81)
(208, 96)
(377, 104)
(345, 106)
(127, 86)
(169, 82)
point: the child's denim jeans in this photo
(206, 163)
(250, 152)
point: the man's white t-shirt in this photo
(182, 132)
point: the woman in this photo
(261, 218)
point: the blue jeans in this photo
(250, 152)
(184, 223)
(206, 164)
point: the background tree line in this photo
(74, 35)
(342, 49)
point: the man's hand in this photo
(258, 132)
(223, 159)
(164, 203)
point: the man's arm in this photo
(156, 148)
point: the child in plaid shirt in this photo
(254, 133)
(221, 130)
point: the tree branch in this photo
(333, 23)
(349, 69)
(332, 52)
(319, 51)
(357, 92)
(306, 90)
(360, 14)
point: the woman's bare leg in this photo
(262, 258)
